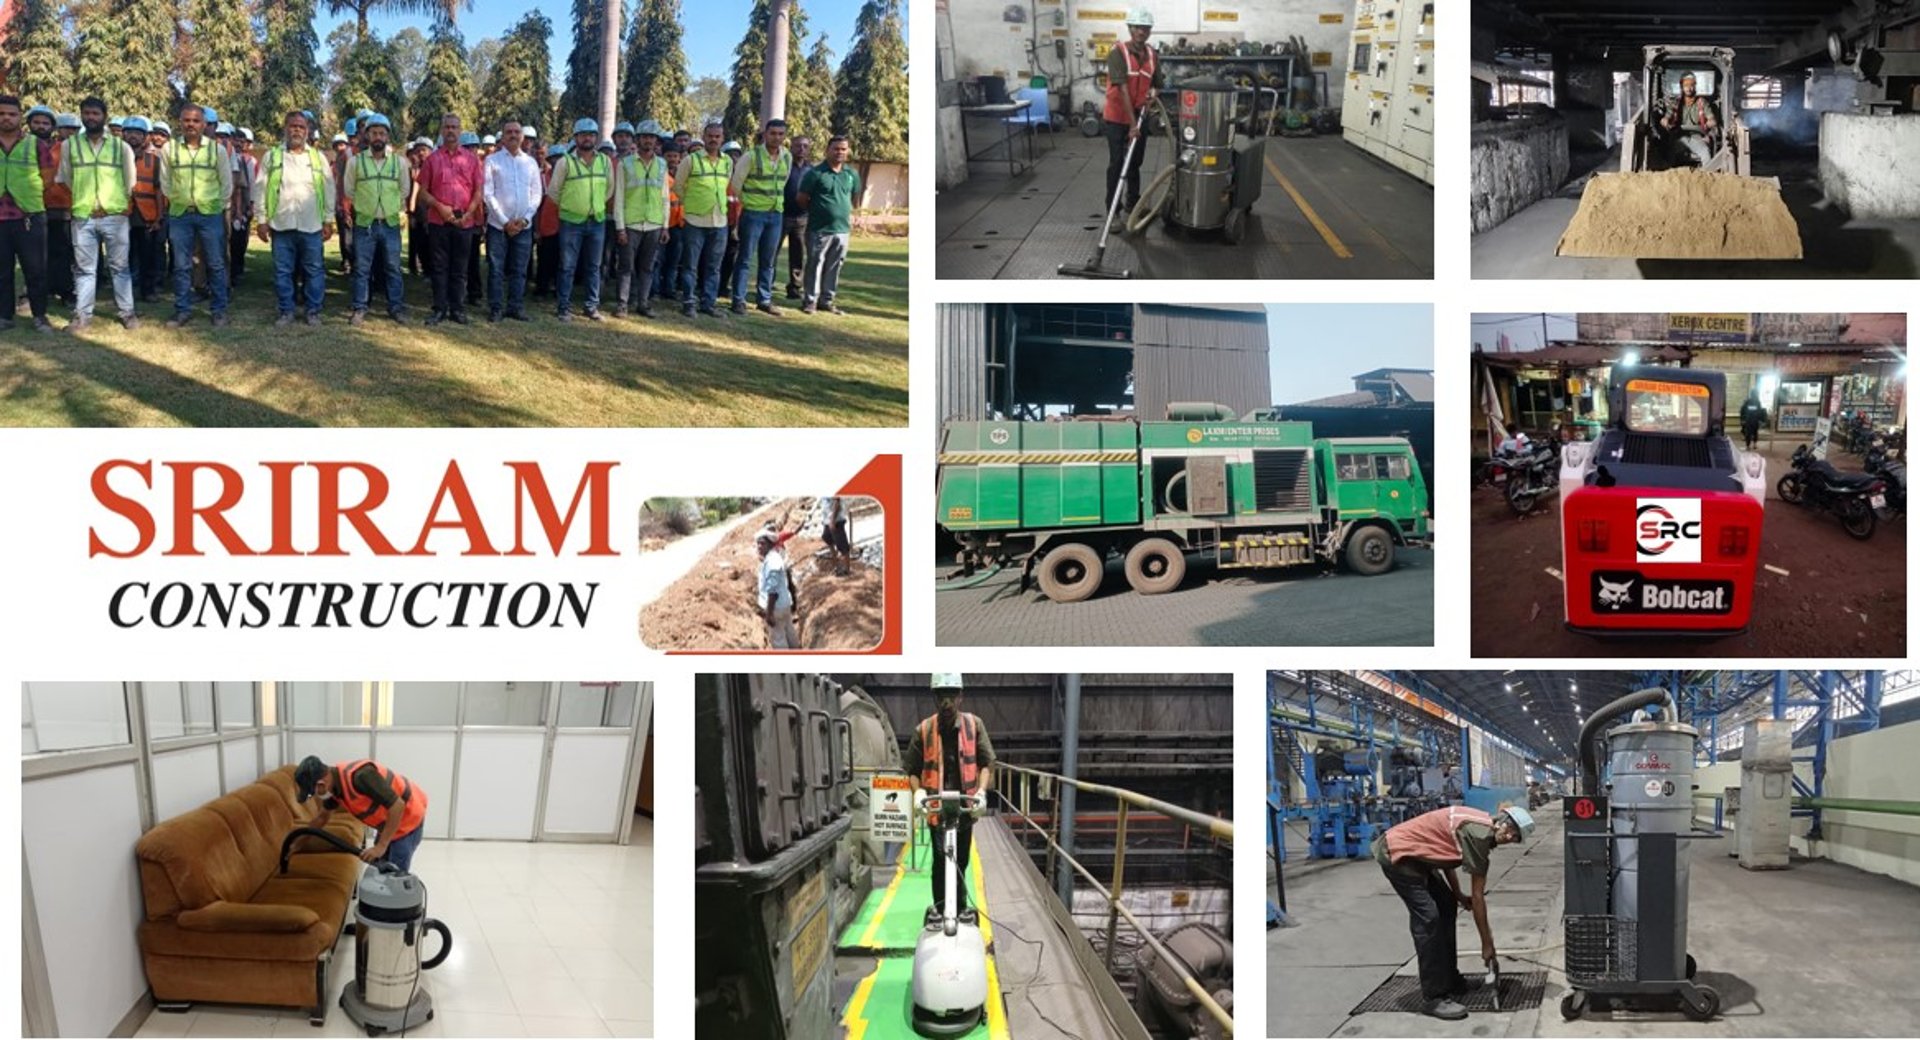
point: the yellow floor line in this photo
(996, 1007)
(880, 912)
(1333, 241)
(855, 1019)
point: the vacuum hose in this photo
(428, 924)
(286, 846)
(1589, 758)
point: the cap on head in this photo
(246, 134)
(468, 139)
(585, 126)
(1140, 16)
(119, 121)
(160, 127)
(733, 147)
(1522, 820)
(649, 128)
(489, 139)
(556, 151)
(69, 120)
(378, 120)
(307, 774)
(135, 123)
(605, 146)
(339, 138)
(353, 126)
(223, 130)
(39, 110)
(623, 127)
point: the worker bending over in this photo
(375, 795)
(950, 751)
(1420, 858)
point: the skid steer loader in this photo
(1684, 192)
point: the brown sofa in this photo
(222, 924)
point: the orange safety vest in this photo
(1433, 837)
(372, 813)
(1139, 85)
(56, 196)
(146, 186)
(932, 757)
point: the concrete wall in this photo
(986, 44)
(1866, 163)
(1516, 163)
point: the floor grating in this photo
(1520, 991)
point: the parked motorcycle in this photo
(1495, 471)
(1533, 475)
(1883, 461)
(1853, 497)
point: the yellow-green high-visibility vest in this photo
(199, 189)
(646, 191)
(276, 162)
(20, 175)
(583, 196)
(706, 192)
(376, 189)
(99, 179)
(765, 187)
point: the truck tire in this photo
(1156, 565)
(1369, 551)
(1070, 573)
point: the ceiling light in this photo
(1509, 687)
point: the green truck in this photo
(1237, 493)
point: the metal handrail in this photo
(1114, 906)
(1219, 828)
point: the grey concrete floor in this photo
(1354, 217)
(1835, 245)
(1816, 950)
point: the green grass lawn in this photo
(793, 370)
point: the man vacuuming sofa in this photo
(369, 792)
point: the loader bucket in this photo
(1682, 215)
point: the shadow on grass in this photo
(100, 372)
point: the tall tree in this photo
(409, 47)
(815, 89)
(338, 44)
(290, 75)
(480, 60)
(655, 85)
(441, 10)
(125, 55)
(708, 98)
(871, 104)
(749, 71)
(36, 63)
(582, 95)
(369, 78)
(219, 59)
(519, 87)
(447, 86)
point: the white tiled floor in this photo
(549, 940)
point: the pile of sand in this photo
(1682, 215)
(713, 606)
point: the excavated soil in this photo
(713, 606)
(1682, 215)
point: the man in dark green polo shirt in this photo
(828, 193)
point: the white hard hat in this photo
(1140, 16)
(1521, 819)
(947, 680)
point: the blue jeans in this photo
(666, 277)
(210, 231)
(384, 236)
(580, 248)
(300, 249)
(91, 238)
(700, 265)
(759, 244)
(400, 850)
(513, 253)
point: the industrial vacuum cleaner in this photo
(1216, 175)
(1626, 864)
(950, 959)
(389, 928)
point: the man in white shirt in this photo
(293, 210)
(776, 590)
(512, 196)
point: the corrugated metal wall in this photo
(961, 353)
(1216, 354)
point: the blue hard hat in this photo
(213, 117)
(39, 110)
(556, 151)
(353, 127)
(68, 120)
(223, 130)
(312, 123)
(118, 121)
(377, 119)
(469, 138)
(649, 128)
(136, 123)
(585, 126)
(623, 127)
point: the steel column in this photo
(1119, 879)
(1069, 768)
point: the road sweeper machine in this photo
(1685, 190)
(1060, 498)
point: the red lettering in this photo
(330, 512)
(214, 514)
(282, 505)
(133, 511)
(454, 486)
(530, 485)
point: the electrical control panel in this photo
(1387, 107)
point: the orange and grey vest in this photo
(1139, 85)
(933, 758)
(412, 800)
(1433, 837)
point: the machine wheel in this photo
(1692, 968)
(1235, 228)
(1706, 1008)
(1789, 488)
(1369, 551)
(1857, 518)
(1574, 1004)
(1155, 565)
(1520, 498)
(1071, 572)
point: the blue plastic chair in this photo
(1036, 114)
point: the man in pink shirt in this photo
(452, 181)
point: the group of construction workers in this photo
(658, 214)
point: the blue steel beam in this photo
(1427, 689)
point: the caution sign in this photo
(890, 798)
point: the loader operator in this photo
(1133, 71)
(949, 751)
(1692, 115)
(379, 797)
(1420, 858)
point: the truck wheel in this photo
(1369, 551)
(1071, 572)
(1155, 565)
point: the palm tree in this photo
(439, 9)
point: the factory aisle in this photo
(549, 939)
(1326, 210)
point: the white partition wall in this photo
(426, 758)
(586, 784)
(241, 761)
(499, 784)
(185, 779)
(331, 745)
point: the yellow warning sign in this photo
(1220, 16)
(1422, 88)
(1100, 16)
(1323, 57)
(1656, 386)
(1332, 19)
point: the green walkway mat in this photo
(891, 918)
(881, 1008)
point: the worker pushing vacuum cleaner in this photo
(390, 906)
(949, 762)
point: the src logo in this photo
(1667, 530)
(1616, 594)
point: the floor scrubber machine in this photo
(950, 959)
(1626, 863)
(390, 926)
